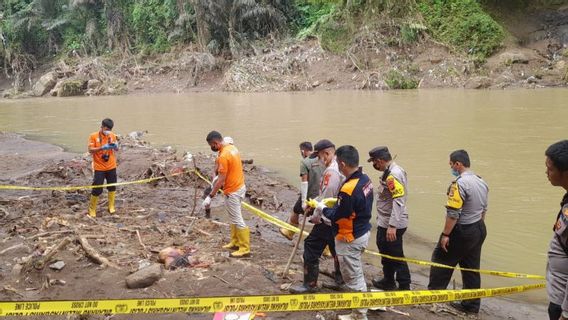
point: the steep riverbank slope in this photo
(342, 50)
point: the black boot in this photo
(338, 284)
(310, 285)
(384, 284)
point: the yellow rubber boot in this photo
(111, 195)
(243, 235)
(234, 243)
(326, 252)
(93, 206)
(287, 233)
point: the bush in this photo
(396, 80)
(462, 24)
(152, 20)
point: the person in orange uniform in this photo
(103, 146)
(232, 179)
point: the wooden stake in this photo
(285, 273)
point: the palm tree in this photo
(235, 22)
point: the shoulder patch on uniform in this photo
(395, 187)
(325, 179)
(349, 186)
(455, 200)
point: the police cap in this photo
(379, 153)
(321, 145)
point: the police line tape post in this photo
(266, 303)
(142, 181)
(285, 225)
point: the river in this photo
(505, 133)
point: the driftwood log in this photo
(94, 255)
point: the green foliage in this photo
(151, 22)
(410, 32)
(310, 14)
(462, 24)
(335, 36)
(396, 80)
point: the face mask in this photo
(106, 132)
(455, 172)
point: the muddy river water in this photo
(505, 132)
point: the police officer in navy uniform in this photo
(464, 230)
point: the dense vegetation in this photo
(32, 31)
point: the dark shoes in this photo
(301, 289)
(460, 307)
(384, 284)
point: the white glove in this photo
(320, 206)
(207, 202)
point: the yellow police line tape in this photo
(279, 223)
(9, 187)
(290, 227)
(285, 225)
(264, 303)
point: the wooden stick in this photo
(194, 186)
(204, 232)
(49, 233)
(285, 273)
(39, 264)
(140, 240)
(220, 223)
(225, 281)
(94, 255)
(17, 246)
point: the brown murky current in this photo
(505, 132)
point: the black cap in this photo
(378, 153)
(321, 145)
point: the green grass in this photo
(462, 24)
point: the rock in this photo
(145, 277)
(55, 91)
(93, 84)
(478, 83)
(560, 65)
(532, 79)
(508, 58)
(16, 270)
(144, 264)
(70, 88)
(57, 266)
(45, 84)
(316, 84)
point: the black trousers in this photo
(393, 268)
(464, 249)
(320, 237)
(298, 206)
(554, 311)
(100, 177)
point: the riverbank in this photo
(163, 214)
(377, 53)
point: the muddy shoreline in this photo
(164, 215)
